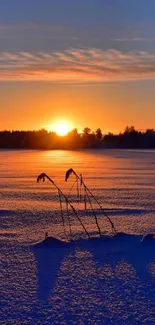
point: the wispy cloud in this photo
(78, 65)
(33, 27)
(135, 39)
(29, 31)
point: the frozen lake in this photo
(123, 181)
(64, 286)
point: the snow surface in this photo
(108, 280)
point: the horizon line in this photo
(104, 131)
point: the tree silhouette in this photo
(86, 131)
(42, 139)
(98, 133)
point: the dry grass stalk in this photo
(42, 177)
(61, 211)
(88, 194)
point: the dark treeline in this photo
(43, 139)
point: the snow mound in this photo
(123, 235)
(50, 242)
(149, 238)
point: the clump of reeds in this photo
(68, 205)
(87, 198)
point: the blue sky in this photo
(108, 46)
(63, 23)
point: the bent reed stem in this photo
(87, 190)
(42, 177)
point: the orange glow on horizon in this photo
(61, 127)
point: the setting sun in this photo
(61, 127)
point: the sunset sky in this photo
(88, 62)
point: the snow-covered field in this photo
(108, 280)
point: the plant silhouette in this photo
(88, 195)
(61, 195)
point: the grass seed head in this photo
(68, 173)
(41, 177)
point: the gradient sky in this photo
(90, 62)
